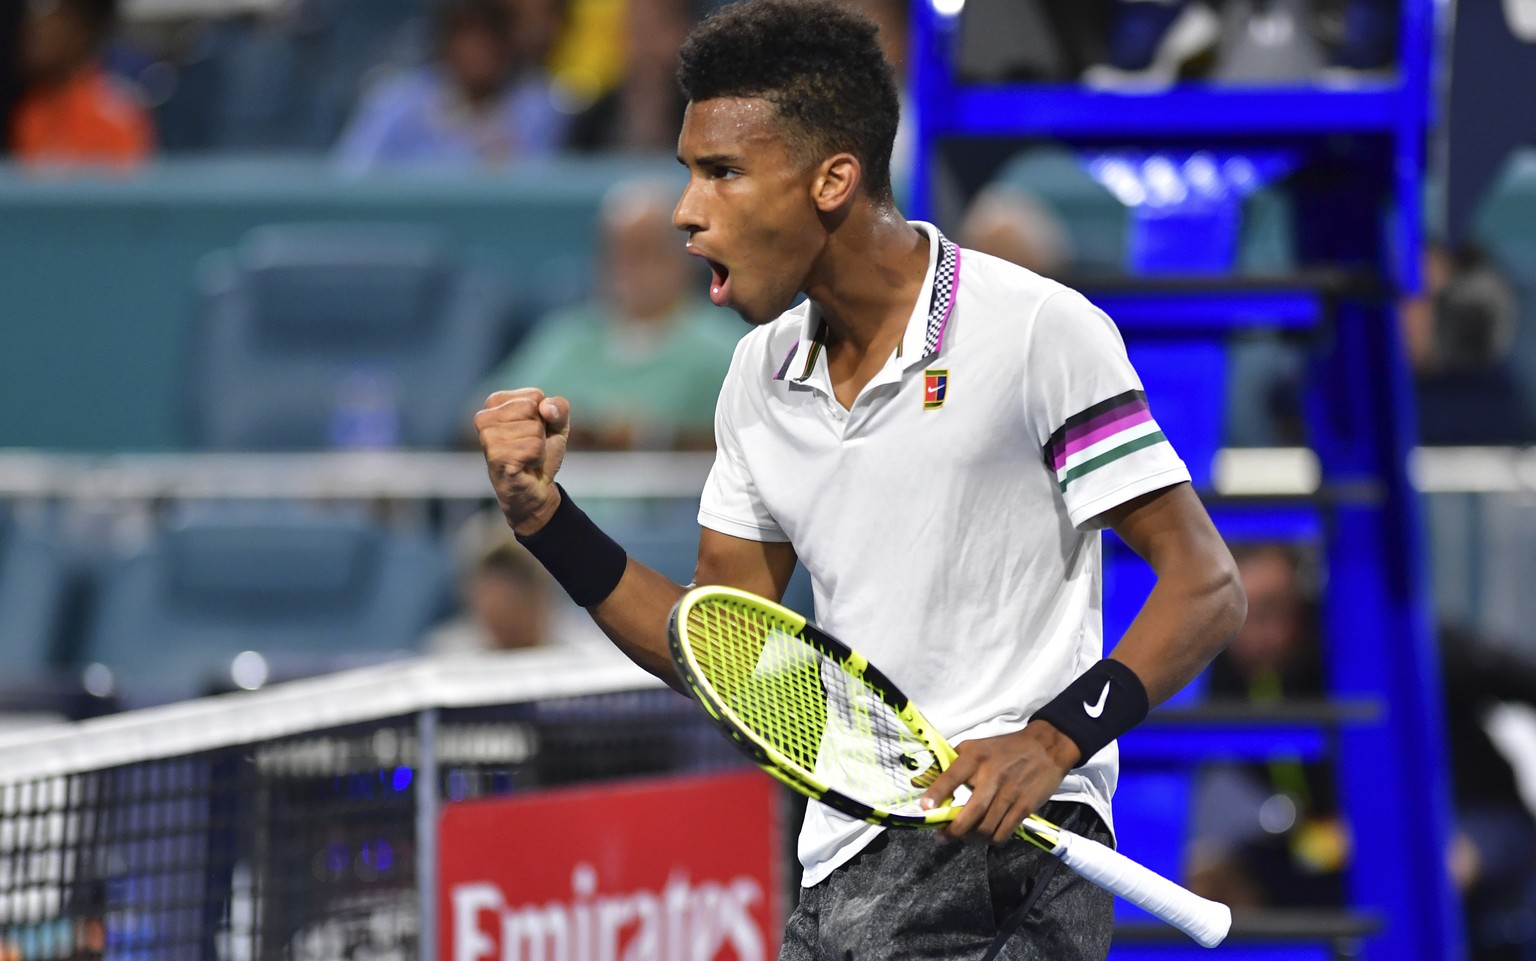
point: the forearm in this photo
(628, 600)
(1185, 622)
(635, 617)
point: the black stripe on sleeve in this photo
(1087, 414)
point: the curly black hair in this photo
(818, 62)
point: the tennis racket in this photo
(820, 718)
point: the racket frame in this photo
(1035, 829)
(1207, 922)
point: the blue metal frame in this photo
(1398, 109)
(1156, 744)
(1212, 312)
(1069, 112)
(1369, 142)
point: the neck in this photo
(868, 278)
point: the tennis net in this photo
(299, 822)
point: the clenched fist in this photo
(523, 434)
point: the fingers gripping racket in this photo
(822, 719)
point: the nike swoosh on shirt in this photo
(935, 390)
(1094, 710)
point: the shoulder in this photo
(579, 327)
(530, 91)
(93, 100)
(556, 337)
(1000, 283)
(401, 92)
(1020, 306)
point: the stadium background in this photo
(235, 377)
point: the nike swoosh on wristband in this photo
(1094, 710)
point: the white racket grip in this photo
(1206, 921)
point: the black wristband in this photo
(1102, 704)
(584, 560)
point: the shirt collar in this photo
(924, 336)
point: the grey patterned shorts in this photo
(905, 897)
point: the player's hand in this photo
(1010, 776)
(523, 434)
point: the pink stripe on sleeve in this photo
(1125, 421)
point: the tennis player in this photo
(938, 436)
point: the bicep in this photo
(1167, 528)
(762, 567)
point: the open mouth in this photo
(719, 282)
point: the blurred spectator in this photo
(505, 595)
(479, 103)
(584, 48)
(72, 111)
(542, 28)
(1011, 223)
(507, 601)
(1458, 333)
(645, 110)
(1493, 852)
(642, 363)
(1269, 834)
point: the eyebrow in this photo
(710, 160)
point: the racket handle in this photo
(1206, 921)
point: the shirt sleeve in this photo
(730, 503)
(1089, 413)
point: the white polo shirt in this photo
(947, 519)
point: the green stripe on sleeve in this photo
(1113, 454)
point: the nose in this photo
(687, 216)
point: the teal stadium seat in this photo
(305, 326)
(255, 86)
(308, 592)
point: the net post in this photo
(425, 787)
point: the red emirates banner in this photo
(682, 869)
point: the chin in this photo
(755, 318)
(764, 313)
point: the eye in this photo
(722, 172)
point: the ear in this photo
(837, 181)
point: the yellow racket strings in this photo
(806, 705)
(768, 679)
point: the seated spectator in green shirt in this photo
(641, 363)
